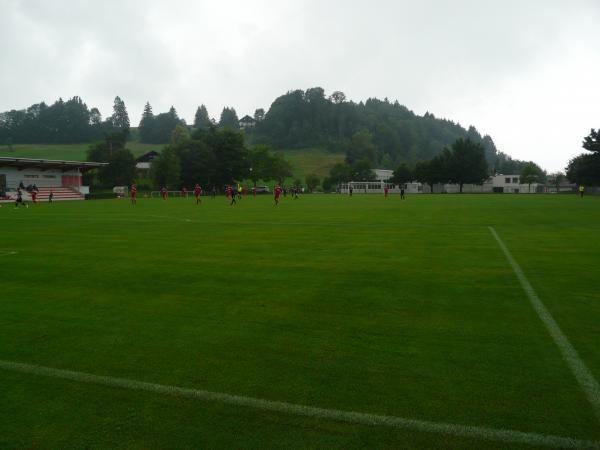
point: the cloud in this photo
(523, 72)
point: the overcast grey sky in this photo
(525, 72)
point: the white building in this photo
(63, 178)
(247, 122)
(496, 184)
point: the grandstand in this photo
(63, 178)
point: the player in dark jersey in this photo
(20, 199)
(231, 191)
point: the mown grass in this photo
(312, 161)
(70, 152)
(363, 304)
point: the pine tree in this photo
(120, 118)
(201, 119)
(229, 118)
(146, 126)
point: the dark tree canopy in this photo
(402, 175)
(229, 118)
(60, 123)
(120, 118)
(531, 173)
(259, 114)
(158, 129)
(592, 141)
(201, 119)
(466, 163)
(120, 170)
(585, 168)
(309, 119)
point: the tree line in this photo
(464, 162)
(63, 122)
(387, 133)
(212, 157)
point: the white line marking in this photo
(484, 433)
(583, 375)
(5, 253)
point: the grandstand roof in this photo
(45, 164)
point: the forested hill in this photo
(388, 133)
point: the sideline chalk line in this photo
(583, 375)
(483, 433)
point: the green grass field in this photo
(69, 152)
(407, 309)
(312, 161)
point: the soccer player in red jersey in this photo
(163, 192)
(198, 193)
(277, 194)
(254, 191)
(33, 197)
(133, 194)
(228, 191)
(385, 191)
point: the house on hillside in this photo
(144, 162)
(247, 122)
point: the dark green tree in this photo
(101, 151)
(180, 135)
(120, 118)
(166, 169)
(120, 170)
(361, 147)
(431, 172)
(592, 141)
(233, 162)
(280, 168)
(337, 97)
(556, 179)
(362, 170)
(261, 160)
(340, 173)
(259, 115)
(466, 163)
(530, 173)
(585, 169)
(312, 182)
(402, 175)
(229, 118)
(146, 126)
(201, 119)
(198, 163)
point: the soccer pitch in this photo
(325, 322)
